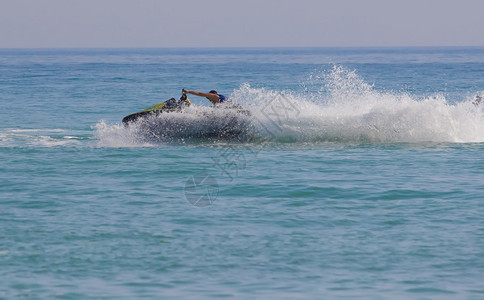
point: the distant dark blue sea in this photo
(352, 173)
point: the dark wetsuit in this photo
(222, 98)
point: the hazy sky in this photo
(241, 23)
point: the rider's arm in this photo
(212, 97)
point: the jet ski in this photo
(174, 120)
(170, 105)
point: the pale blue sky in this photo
(248, 23)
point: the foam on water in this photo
(15, 137)
(117, 135)
(345, 108)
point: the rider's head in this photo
(213, 92)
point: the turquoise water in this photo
(360, 175)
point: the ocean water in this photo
(359, 173)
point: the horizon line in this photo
(235, 47)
